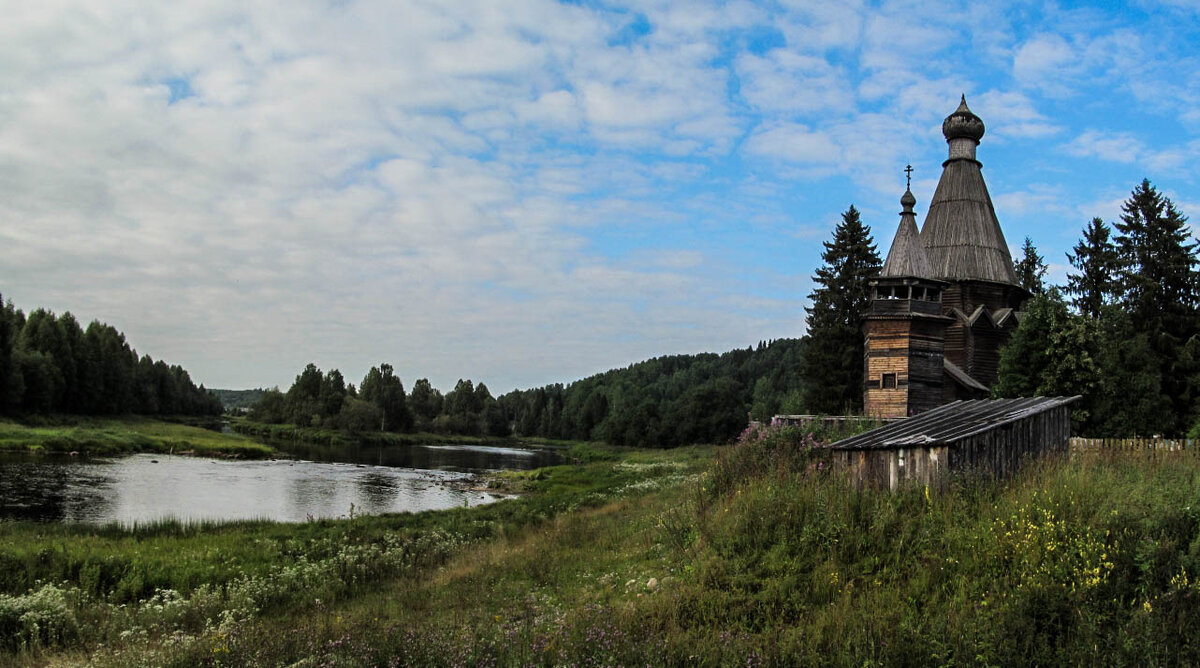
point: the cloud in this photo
(783, 81)
(519, 192)
(1041, 61)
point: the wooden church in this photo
(947, 297)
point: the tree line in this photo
(660, 402)
(1124, 332)
(666, 401)
(379, 403)
(50, 364)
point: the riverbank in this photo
(288, 434)
(124, 435)
(752, 554)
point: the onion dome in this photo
(962, 124)
(908, 201)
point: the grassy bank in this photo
(757, 555)
(109, 436)
(288, 434)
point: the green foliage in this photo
(425, 402)
(235, 400)
(49, 364)
(833, 360)
(271, 407)
(665, 401)
(359, 416)
(45, 616)
(1052, 353)
(1161, 289)
(1096, 259)
(1159, 259)
(1031, 269)
(383, 388)
(1132, 351)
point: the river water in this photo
(144, 488)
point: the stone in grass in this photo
(652, 584)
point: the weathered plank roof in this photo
(950, 423)
(961, 234)
(962, 377)
(907, 256)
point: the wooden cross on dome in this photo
(908, 170)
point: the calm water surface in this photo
(142, 488)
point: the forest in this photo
(50, 364)
(664, 401)
(1124, 332)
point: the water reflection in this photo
(462, 458)
(378, 492)
(141, 488)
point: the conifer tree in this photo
(1031, 268)
(1160, 291)
(833, 360)
(1095, 257)
(1159, 260)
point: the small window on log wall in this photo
(889, 380)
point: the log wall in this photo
(998, 451)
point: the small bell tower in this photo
(904, 327)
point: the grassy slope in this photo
(762, 559)
(106, 436)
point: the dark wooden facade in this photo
(903, 356)
(983, 315)
(990, 436)
(922, 351)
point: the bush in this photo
(42, 617)
(762, 450)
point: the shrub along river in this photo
(317, 483)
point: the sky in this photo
(531, 191)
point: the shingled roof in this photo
(961, 235)
(952, 422)
(907, 256)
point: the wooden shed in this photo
(991, 436)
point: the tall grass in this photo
(767, 558)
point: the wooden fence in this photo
(1148, 445)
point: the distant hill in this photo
(238, 399)
(666, 401)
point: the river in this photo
(144, 488)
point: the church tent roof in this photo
(961, 234)
(907, 256)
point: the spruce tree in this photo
(1159, 288)
(1031, 268)
(1096, 284)
(1159, 259)
(832, 365)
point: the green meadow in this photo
(110, 436)
(753, 554)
